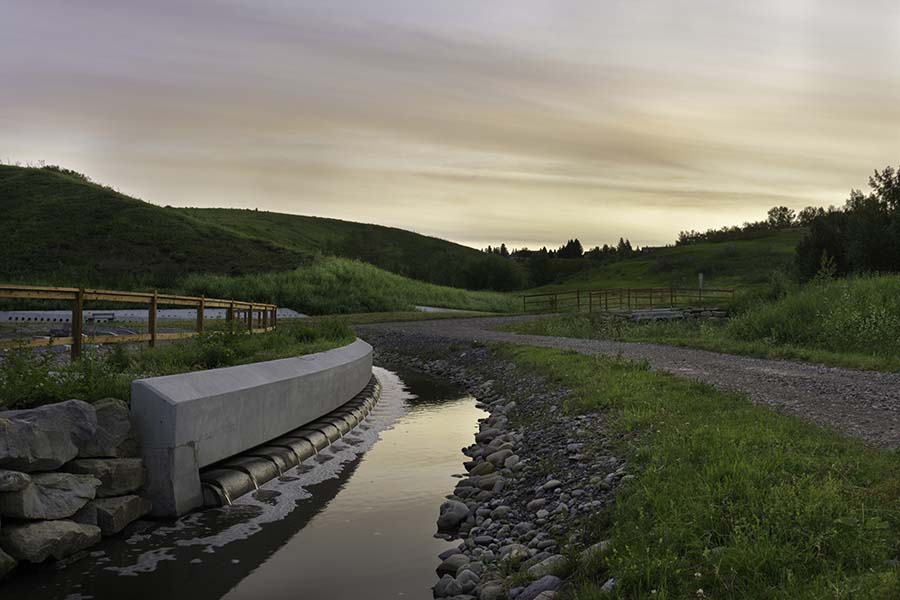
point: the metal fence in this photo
(258, 317)
(626, 299)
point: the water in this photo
(358, 524)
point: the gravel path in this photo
(863, 404)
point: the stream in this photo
(357, 522)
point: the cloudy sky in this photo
(479, 121)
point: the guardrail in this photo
(259, 317)
(625, 299)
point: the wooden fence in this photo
(626, 299)
(257, 316)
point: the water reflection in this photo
(358, 525)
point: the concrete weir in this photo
(190, 421)
(224, 482)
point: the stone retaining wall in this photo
(69, 473)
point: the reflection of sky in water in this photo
(364, 525)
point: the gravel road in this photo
(863, 404)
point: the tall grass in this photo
(337, 285)
(859, 314)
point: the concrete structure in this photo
(192, 420)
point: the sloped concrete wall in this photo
(191, 420)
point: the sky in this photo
(480, 121)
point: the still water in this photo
(359, 523)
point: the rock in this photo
(548, 595)
(46, 437)
(483, 468)
(511, 461)
(453, 512)
(491, 591)
(39, 540)
(544, 584)
(7, 564)
(468, 580)
(551, 485)
(554, 565)
(515, 552)
(86, 515)
(117, 475)
(497, 458)
(113, 514)
(49, 496)
(594, 552)
(452, 564)
(447, 586)
(536, 504)
(486, 436)
(608, 587)
(501, 512)
(115, 437)
(13, 481)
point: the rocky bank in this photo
(538, 481)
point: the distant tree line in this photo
(778, 217)
(863, 236)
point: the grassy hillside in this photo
(58, 227)
(62, 229)
(337, 285)
(744, 263)
(396, 250)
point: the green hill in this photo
(58, 227)
(396, 250)
(741, 263)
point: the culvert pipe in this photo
(228, 480)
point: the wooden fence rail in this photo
(625, 299)
(259, 317)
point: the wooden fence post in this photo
(151, 318)
(250, 319)
(201, 312)
(77, 323)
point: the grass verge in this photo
(730, 500)
(28, 378)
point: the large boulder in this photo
(117, 476)
(13, 481)
(7, 564)
(115, 437)
(49, 496)
(46, 437)
(113, 514)
(38, 540)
